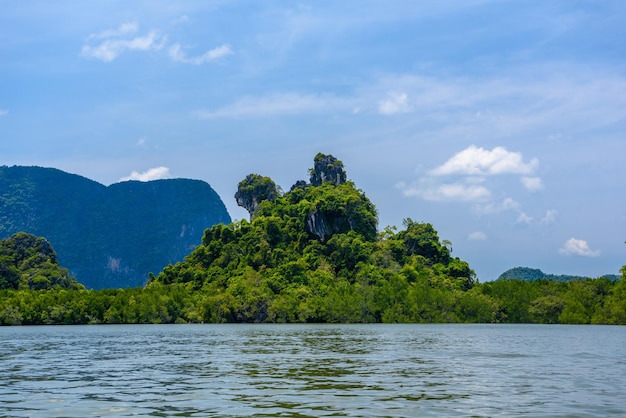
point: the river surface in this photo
(313, 370)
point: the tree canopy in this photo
(30, 262)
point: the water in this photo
(313, 370)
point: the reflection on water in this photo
(313, 370)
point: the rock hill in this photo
(531, 274)
(108, 236)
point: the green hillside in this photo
(313, 254)
(30, 262)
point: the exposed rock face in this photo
(111, 236)
(248, 202)
(300, 184)
(324, 224)
(253, 190)
(327, 169)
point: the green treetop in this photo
(29, 262)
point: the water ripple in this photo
(313, 370)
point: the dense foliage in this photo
(108, 236)
(30, 262)
(589, 301)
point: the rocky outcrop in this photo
(327, 169)
(323, 224)
(253, 190)
(330, 204)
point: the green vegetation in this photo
(589, 301)
(29, 262)
(108, 236)
(313, 254)
(525, 273)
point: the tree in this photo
(30, 262)
(255, 189)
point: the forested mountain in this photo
(530, 274)
(313, 254)
(108, 236)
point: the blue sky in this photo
(502, 123)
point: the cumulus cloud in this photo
(476, 161)
(477, 236)
(395, 102)
(532, 184)
(580, 247)
(110, 44)
(473, 171)
(176, 54)
(156, 173)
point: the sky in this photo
(501, 123)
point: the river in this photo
(313, 370)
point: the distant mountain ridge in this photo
(108, 236)
(530, 274)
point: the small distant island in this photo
(530, 274)
(311, 254)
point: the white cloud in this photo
(176, 54)
(156, 173)
(532, 184)
(4, 112)
(394, 103)
(278, 104)
(497, 207)
(463, 192)
(110, 44)
(523, 218)
(126, 28)
(580, 247)
(447, 192)
(474, 161)
(477, 236)
(114, 42)
(550, 217)
(474, 168)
